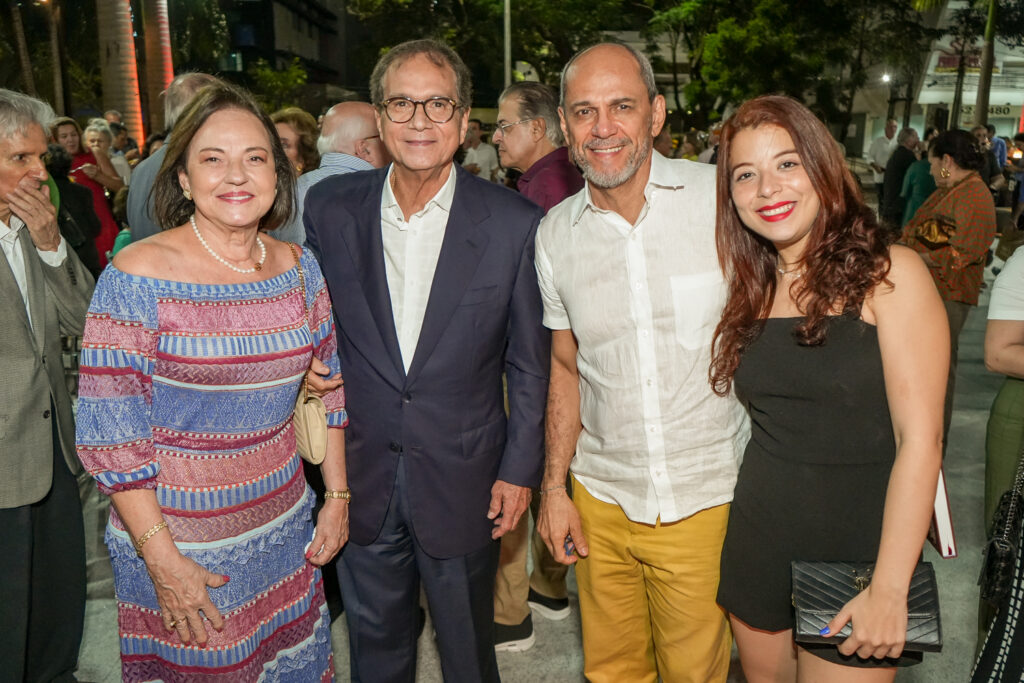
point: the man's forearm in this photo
(563, 426)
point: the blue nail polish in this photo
(823, 632)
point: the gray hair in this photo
(18, 112)
(537, 101)
(181, 91)
(644, 64)
(437, 52)
(905, 135)
(100, 126)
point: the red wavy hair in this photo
(847, 254)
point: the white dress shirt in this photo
(879, 153)
(411, 249)
(643, 301)
(9, 242)
(484, 156)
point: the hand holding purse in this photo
(821, 589)
(309, 420)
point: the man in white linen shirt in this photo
(632, 290)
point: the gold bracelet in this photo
(343, 495)
(553, 488)
(141, 541)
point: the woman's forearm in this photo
(333, 467)
(140, 512)
(909, 502)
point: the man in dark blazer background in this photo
(431, 274)
(44, 293)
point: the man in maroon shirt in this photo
(529, 140)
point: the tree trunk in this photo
(52, 10)
(159, 65)
(988, 58)
(117, 62)
(958, 89)
(27, 81)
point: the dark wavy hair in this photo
(169, 204)
(847, 254)
(962, 147)
(304, 125)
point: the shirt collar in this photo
(9, 233)
(342, 160)
(443, 198)
(665, 173)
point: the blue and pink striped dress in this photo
(188, 389)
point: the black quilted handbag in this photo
(1003, 542)
(820, 589)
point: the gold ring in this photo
(174, 623)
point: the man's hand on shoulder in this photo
(508, 503)
(30, 202)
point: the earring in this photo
(188, 194)
(944, 172)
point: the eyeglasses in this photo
(502, 127)
(437, 109)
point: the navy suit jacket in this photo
(446, 417)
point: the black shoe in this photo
(554, 609)
(514, 638)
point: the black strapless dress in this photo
(814, 475)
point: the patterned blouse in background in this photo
(968, 205)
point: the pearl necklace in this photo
(258, 265)
(795, 272)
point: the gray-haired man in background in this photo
(44, 293)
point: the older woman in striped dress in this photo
(194, 348)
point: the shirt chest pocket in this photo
(697, 301)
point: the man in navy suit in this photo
(432, 277)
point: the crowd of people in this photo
(665, 354)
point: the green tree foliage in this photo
(277, 88)
(545, 34)
(199, 34)
(818, 51)
(683, 27)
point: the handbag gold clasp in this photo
(861, 579)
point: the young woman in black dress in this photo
(838, 346)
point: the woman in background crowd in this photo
(918, 184)
(298, 132)
(76, 217)
(836, 344)
(96, 174)
(98, 138)
(152, 144)
(195, 345)
(952, 232)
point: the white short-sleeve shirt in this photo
(643, 301)
(1007, 302)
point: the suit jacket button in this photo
(46, 414)
(395, 447)
(406, 398)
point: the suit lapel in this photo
(36, 288)
(366, 249)
(463, 247)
